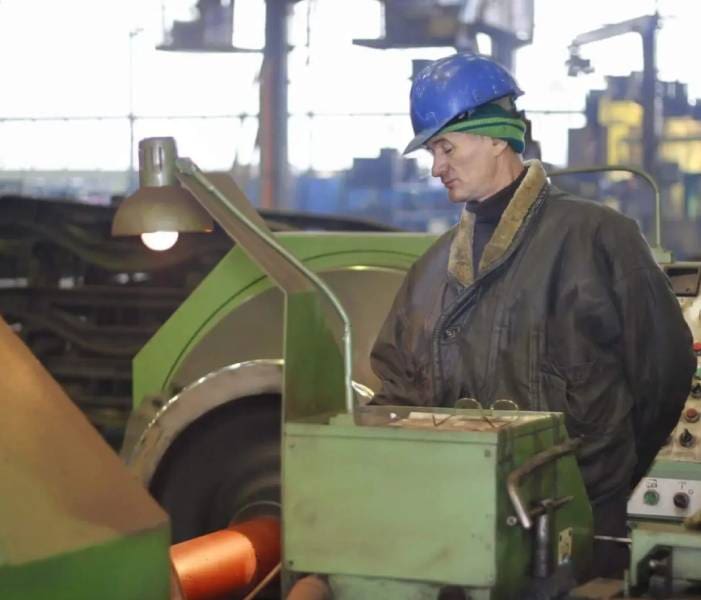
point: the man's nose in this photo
(438, 166)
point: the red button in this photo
(691, 415)
(697, 347)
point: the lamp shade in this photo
(168, 208)
(160, 203)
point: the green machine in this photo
(393, 503)
(377, 502)
(380, 502)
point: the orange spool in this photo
(227, 561)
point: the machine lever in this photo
(514, 479)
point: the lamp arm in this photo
(237, 218)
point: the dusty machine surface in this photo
(402, 504)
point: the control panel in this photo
(672, 488)
(660, 497)
(684, 443)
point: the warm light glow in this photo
(159, 240)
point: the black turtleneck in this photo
(487, 214)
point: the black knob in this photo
(696, 389)
(681, 500)
(686, 439)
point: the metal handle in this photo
(514, 479)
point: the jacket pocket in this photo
(593, 396)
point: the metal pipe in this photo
(504, 46)
(541, 558)
(283, 267)
(513, 481)
(273, 107)
(650, 97)
(227, 561)
(609, 538)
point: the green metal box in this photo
(426, 503)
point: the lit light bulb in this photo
(159, 240)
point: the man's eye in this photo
(447, 149)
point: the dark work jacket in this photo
(569, 313)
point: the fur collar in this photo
(460, 261)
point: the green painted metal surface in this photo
(236, 279)
(421, 505)
(128, 568)
(684, 545)
(364, 588)
(314, 370)
(675, 469)
(307, 299)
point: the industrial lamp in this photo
(175, 195)
(160, 208)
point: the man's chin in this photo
(456, 197)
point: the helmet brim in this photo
(420, 140)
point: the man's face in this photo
(465, 163)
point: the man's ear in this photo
(498, 146)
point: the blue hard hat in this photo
(451, 86)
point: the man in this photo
(535, 296)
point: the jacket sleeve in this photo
(656, 344)
(390, 358)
